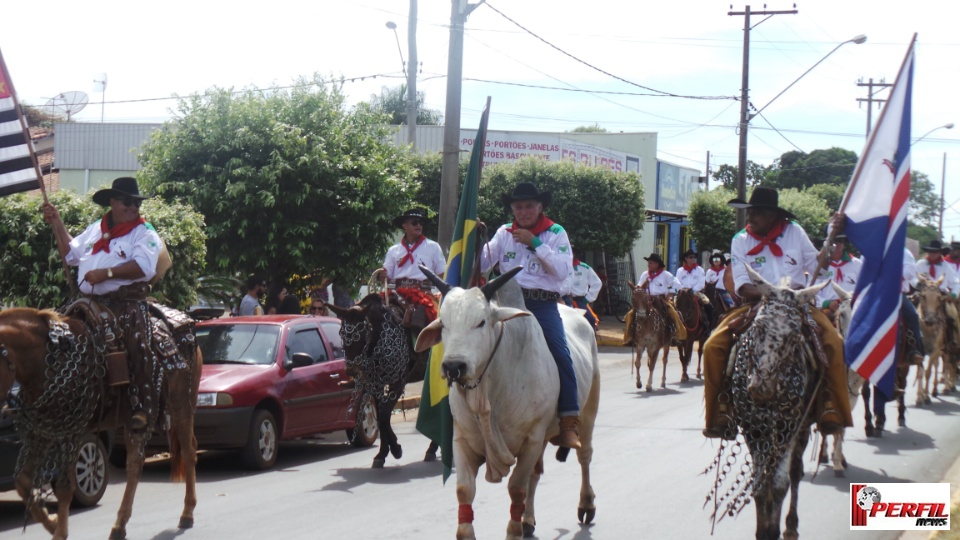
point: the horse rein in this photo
(489, 361)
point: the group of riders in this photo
(121, 254)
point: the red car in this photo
(273, 378)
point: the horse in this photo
(697, 323)
(773, 390)
(59, 364)
(720, 308)
(932, 308)
(651, 332)
(503, 397)
(379, 353)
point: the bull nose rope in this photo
(489, 361)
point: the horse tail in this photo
(178, 472)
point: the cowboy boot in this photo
(569, 435)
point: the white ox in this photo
(504, 394)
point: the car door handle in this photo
(334, 375)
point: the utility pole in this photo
(943, 184)
(412, 69)
(745, 103)
(450, 171)
(871, 100)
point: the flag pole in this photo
(36, 166)
(824, 256)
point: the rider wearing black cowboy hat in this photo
(403, 260)
(541, 247)
(716, 274)
(662, 284)
(118, 256)
(777, 249)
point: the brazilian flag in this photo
(434, 419)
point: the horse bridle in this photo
(489, 361)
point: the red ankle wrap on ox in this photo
(516, 511)
(464, 514)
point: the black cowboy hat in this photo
(655, 257)
(762, 198)
(933, 246)
(418, 213)
(688, 253)
(718, 255)
(525, 191)
(122, 187)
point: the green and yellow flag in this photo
(434, 419)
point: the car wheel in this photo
(261, 450)
(91, 471)
(367, 430)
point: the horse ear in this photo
(939, 281)
(806, 295)
(766, 289)
(844, 295)
(429, 336)
(630, 283)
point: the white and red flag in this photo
(17, 170)
(876, 204)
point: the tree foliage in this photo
(291, 182)
(924, 201)
(601, 210)
(32, 269)
(726, 175)
(798, 170)
(922, 233)
(831, 194)
(393, 103)
(595, 128)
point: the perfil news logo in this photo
(899, 507)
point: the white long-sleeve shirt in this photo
(716, 276)
(662, 284)
(583, 281)
(950, 283)
(142, 244)
(544, 267)
(909, 272)
(695, 279)
(799, 258)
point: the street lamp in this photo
(393, 26)
(745, 119)
(943, 175)
(925, 135)
(411, 72)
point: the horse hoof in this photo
(926, 400)
(379, 463)
(430, 456)
(396, 451)
(839, 473)
(824, 460)
(868, 431)
(118, 534)
(585, 515)
(684, 378)
(663, 385)
(878, 434)
(844, 462)
(528, 530)
(639, 385)
(649, 388)
(562, 453)
(185, 523)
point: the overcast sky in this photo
(557, 65)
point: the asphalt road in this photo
(647, 474)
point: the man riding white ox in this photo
(503, 397)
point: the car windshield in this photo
(238, 343)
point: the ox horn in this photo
(437, 282)
(491, 288)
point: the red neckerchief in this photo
(653, 275)
(933, 267)
(770, 240)
(717, 268)
(409, 256)
(690, 268)
(576, 262)
(543, 223)
(108, 233)
(955, 263)
(844, 259)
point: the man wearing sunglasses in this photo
(403, 260)
(117, 257)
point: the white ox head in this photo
(468, 327)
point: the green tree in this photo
(726, 175)
(799, 170)
(922, 233)
(393, 103)
(601, 210)
(32, 270)
(291, 182)
(712, 221)
(831, 194)
(924, 200)
(595, 128)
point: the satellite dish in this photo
(100, 82)
(67, 103)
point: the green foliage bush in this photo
(32, 269)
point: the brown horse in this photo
(651, 332)
(64, 394)
(697, 323)
(932, 308)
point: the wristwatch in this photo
(109, 273)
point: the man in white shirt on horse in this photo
(659, 283)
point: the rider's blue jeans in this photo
(547, 314)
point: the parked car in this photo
(92, 470)
(273, 378)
